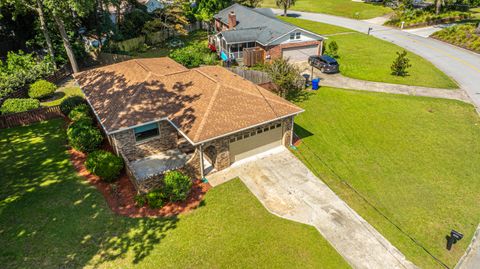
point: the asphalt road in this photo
(462, 65)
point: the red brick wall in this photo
(276, 51)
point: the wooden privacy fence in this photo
(60, 74)
(29, 117)
(257, 77)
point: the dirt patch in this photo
(120, 196)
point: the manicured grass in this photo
(343, 8)
(63, 93)
(368, 58)
(51, 218)
(415, 159)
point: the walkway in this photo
(462, 65)
(339, 81)
(286, 187)
(471, 258)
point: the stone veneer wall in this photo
(222, 145)
(125, 141)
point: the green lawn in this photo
(62, 93)
(416, 159)
(368, 58)
(343, 8)
(51, 218)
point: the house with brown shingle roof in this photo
(159, 116)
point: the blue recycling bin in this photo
(315, 83)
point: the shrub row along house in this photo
(160, 116)
(241, 30)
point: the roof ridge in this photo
(205, 74)
(142, 66)
(258, 89)
(207, 112)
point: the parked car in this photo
(324, 63)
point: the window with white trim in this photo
(298, 35)
(292, 36)
(145, 132)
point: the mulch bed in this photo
(122, 201)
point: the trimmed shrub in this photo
(81, 113)
(155, 199)
(177, 186)
(70, 103)
(140, 200)
(15, 105)
(41, 89)
(401, 64)
(83, 136)
(332, 49)
(104, 164)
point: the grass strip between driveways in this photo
(415, 159)
(51, 218)
(369, 58)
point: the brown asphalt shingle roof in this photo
(204, 102)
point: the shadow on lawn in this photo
(50, 218)
(301, 132)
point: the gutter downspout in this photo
(202, 172)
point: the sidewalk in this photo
(339, 81)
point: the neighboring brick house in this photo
(159, 116)
(239, 28)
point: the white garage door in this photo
(299, 54)
(255, 142)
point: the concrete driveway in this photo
(288, 189)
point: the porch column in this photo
(202, 173)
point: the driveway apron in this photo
(287, 188)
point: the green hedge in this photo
(81, 113)
(70, 103)
(41, 89)
(83, 136)
(104, 164)
(15, 105)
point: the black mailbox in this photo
(456, 235)
(453, 238)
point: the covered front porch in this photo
(165, 149)
(231, 50)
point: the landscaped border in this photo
(122, 202)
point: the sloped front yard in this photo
(368, 58)
(415, 159)
(51, 218)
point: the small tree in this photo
(286, 76)
(285, 5)
(332, 49)
(401, 64)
